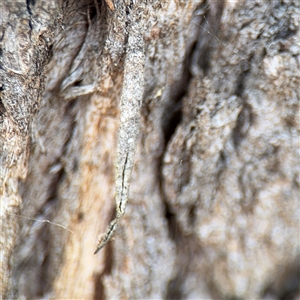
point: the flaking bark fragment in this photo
(130, 105)
(110, 4)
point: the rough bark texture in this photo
(213, 209)
(26, 34)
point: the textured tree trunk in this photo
(213, 209)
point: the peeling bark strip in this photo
(131, 101)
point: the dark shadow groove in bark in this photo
(174, 289)
(30, 3)
(173, 111)
(245, 71)
(2, 107)
(172, 117)
(286, 282)
(44, 285)
(199, 54)
(172, 224)
(207, 17)
(221, 166)
(244, 122)
(284, 34)
(59, 176)
(99, 291)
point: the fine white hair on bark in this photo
(130, 104)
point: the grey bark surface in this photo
(26, 35)
(213, 210)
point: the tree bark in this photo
(213, 209)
